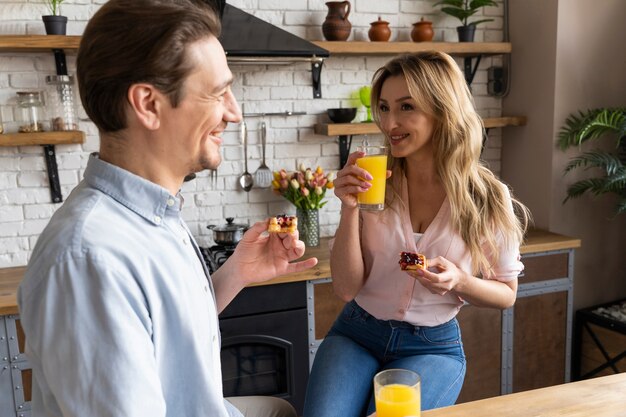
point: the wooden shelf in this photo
(42, 138)
(392, 48)
(37, 43)
(337, 129)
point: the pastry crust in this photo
(283, 224)
(412, 261)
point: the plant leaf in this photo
(479, 21)
(591, 125)
(596, 159)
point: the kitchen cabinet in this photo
(15, 373)
(523, 347)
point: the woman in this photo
(441, 202)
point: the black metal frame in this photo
(585, 317)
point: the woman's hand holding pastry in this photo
(446, 279)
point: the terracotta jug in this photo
(422, 31)
(337, 27)
(379, 31)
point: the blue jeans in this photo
(359, 345)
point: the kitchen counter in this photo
(536, 241)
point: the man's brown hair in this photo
(138, 41)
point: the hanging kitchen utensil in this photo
(245, 180)
(263, 175)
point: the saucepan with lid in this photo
(228, 234)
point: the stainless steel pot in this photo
(228, 234)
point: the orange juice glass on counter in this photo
(397, 393)
(374, 162)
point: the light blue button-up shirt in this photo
(117, 307)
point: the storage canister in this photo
(31, 111)
(61, 104)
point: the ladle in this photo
(245, 180)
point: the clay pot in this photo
(337, 27)
(422, 31)
(379, 31)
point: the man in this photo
(119, 313)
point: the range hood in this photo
(248, 39)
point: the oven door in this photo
(266, 354)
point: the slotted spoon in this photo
(263, 175)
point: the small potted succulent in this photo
(463, 10)
(55, 23)
(609, 165)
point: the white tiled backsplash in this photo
(25, 205)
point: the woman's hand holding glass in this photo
(352, 180)
(349, 183)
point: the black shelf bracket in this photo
(469, 71)
(59, 59)
(345, 142)
(316, 74)
(49, 153)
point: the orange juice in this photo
(397, 400)
(374, 198)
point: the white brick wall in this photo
(25, 205)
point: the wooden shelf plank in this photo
(392, 48)
(37, 43)
(42, 138)
(337, 129)
(504, 121)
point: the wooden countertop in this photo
(597, 397)
(536, 241)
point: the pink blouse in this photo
(390, 293)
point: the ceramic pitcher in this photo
(337, 27)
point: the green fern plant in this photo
(464, 9)
(595, 124)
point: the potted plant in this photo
(592, 125)
(463, 10)
(55, 24)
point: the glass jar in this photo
(61, 102)
(31, 106)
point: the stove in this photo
(216, 255)
(264, 337)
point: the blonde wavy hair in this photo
(479, 202)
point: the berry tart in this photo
(283, 224)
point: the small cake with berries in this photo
(283, 224)
(412, 261)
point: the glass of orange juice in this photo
(374, 162)
(397, 393)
